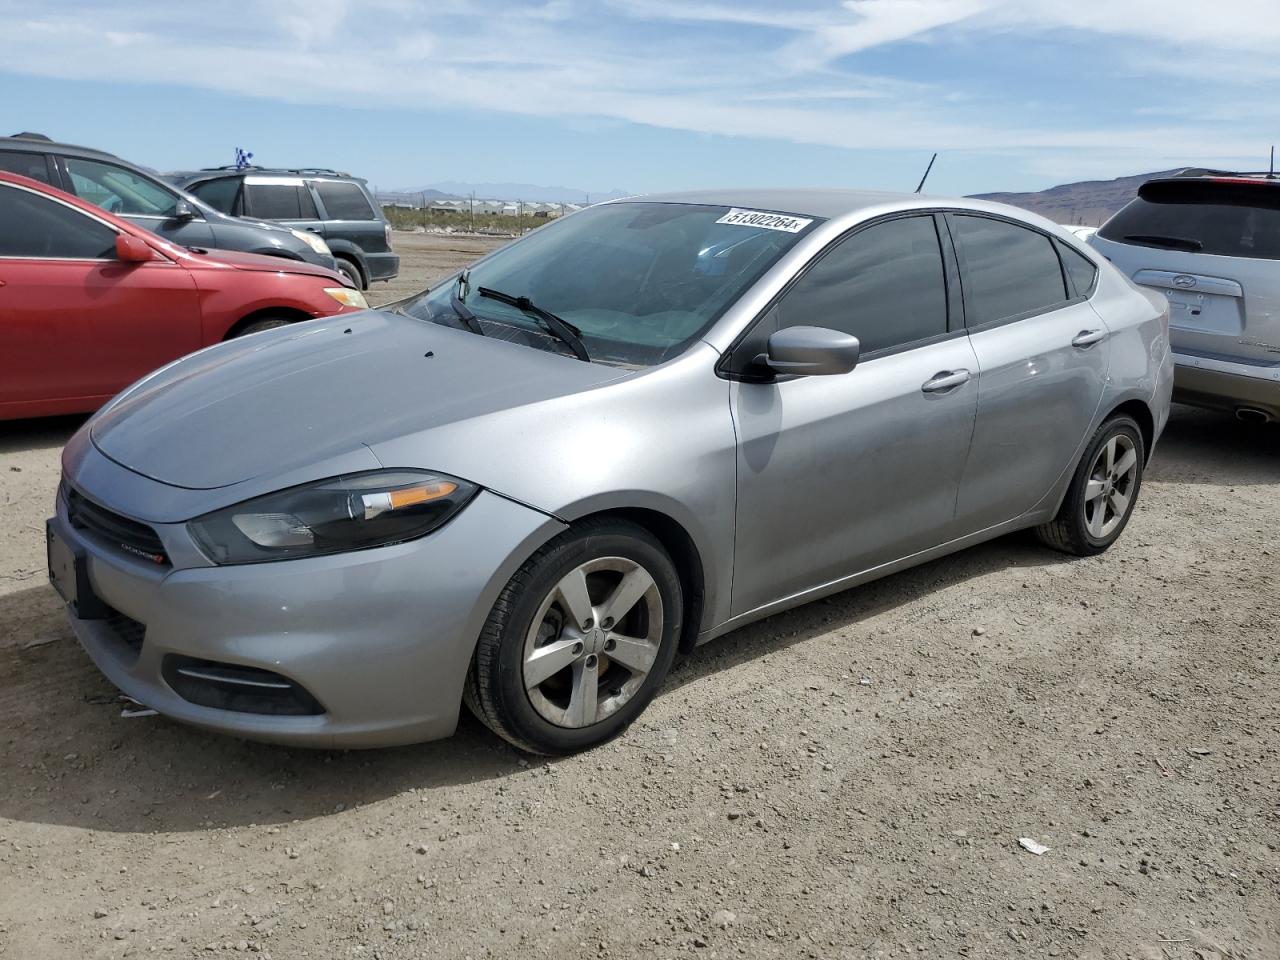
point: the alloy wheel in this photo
(593, 642)
(1108, 493)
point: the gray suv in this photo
(1210, 242)
(334, 205)
(148, 201)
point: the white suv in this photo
(1210, 241)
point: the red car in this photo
(89, 303)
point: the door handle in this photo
(944, 381)
(1087, 338)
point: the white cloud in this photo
(749, 68)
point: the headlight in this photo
(314, 242)
(353, 512)
(348, 297)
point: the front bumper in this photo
(1226, 385)
(381, 638)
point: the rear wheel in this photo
(269, 322)
(351, 272)
(1103, 491)
(579, 640)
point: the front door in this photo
(79, 325)
(840, 474)
(139, 200)
(1043, 352)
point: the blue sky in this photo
(657, 94)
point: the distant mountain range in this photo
(1088, 203)
(458, 190)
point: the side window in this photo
(279, 201)
(220, 194)
(343, 200)
(118, 190)
(885, 285)
(1006, 270)
(1082, 271)
(36, 227)
(33, 165)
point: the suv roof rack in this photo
(28, 135)
(299, 171)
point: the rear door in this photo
(140, 200)
(1043, 353)
(285, 200)
(77, 324)
(1212, 247)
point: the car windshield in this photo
(638, 281)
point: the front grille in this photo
(230, 686)
(128, 536)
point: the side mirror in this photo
(130, 249)
(183, 211)
(810, 352)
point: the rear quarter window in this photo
(1196, 216)
(1082, 271)
(343, 200)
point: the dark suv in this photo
(334, 205)
(148, 201)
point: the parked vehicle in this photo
(328, 203)
(89, 302)
(1210, 241)
(149, 202)
(627, 433)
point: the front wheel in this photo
(579, 640)
(1103, 491)
(351, 272)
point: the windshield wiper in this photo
(1173, 243)
(566, 331)
(460, 308)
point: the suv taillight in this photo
(387, 229)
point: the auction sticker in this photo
(767, 221)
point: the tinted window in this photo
(37, 227)
(31, 165)
(279, 201)
(118, 190)
(1196, 216)
(885, 285)
(1008, 270)
(1080, 269)
(219, 194)
(343, 201)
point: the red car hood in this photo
(259, 263)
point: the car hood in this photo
(277, 402)
(261, 263)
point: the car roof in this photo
(30, 144)
(832, 204)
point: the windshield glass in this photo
(638, 281)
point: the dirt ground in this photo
(850, 779)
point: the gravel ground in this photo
(850, 779)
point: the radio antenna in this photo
(935, 157)
(1271, 173)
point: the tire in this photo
(558, 714)
(1078, 528)
(352, 273)
(269, 322)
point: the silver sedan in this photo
(624, 435)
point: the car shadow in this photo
(70, 758)
(17, 436)
(1204, 446)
